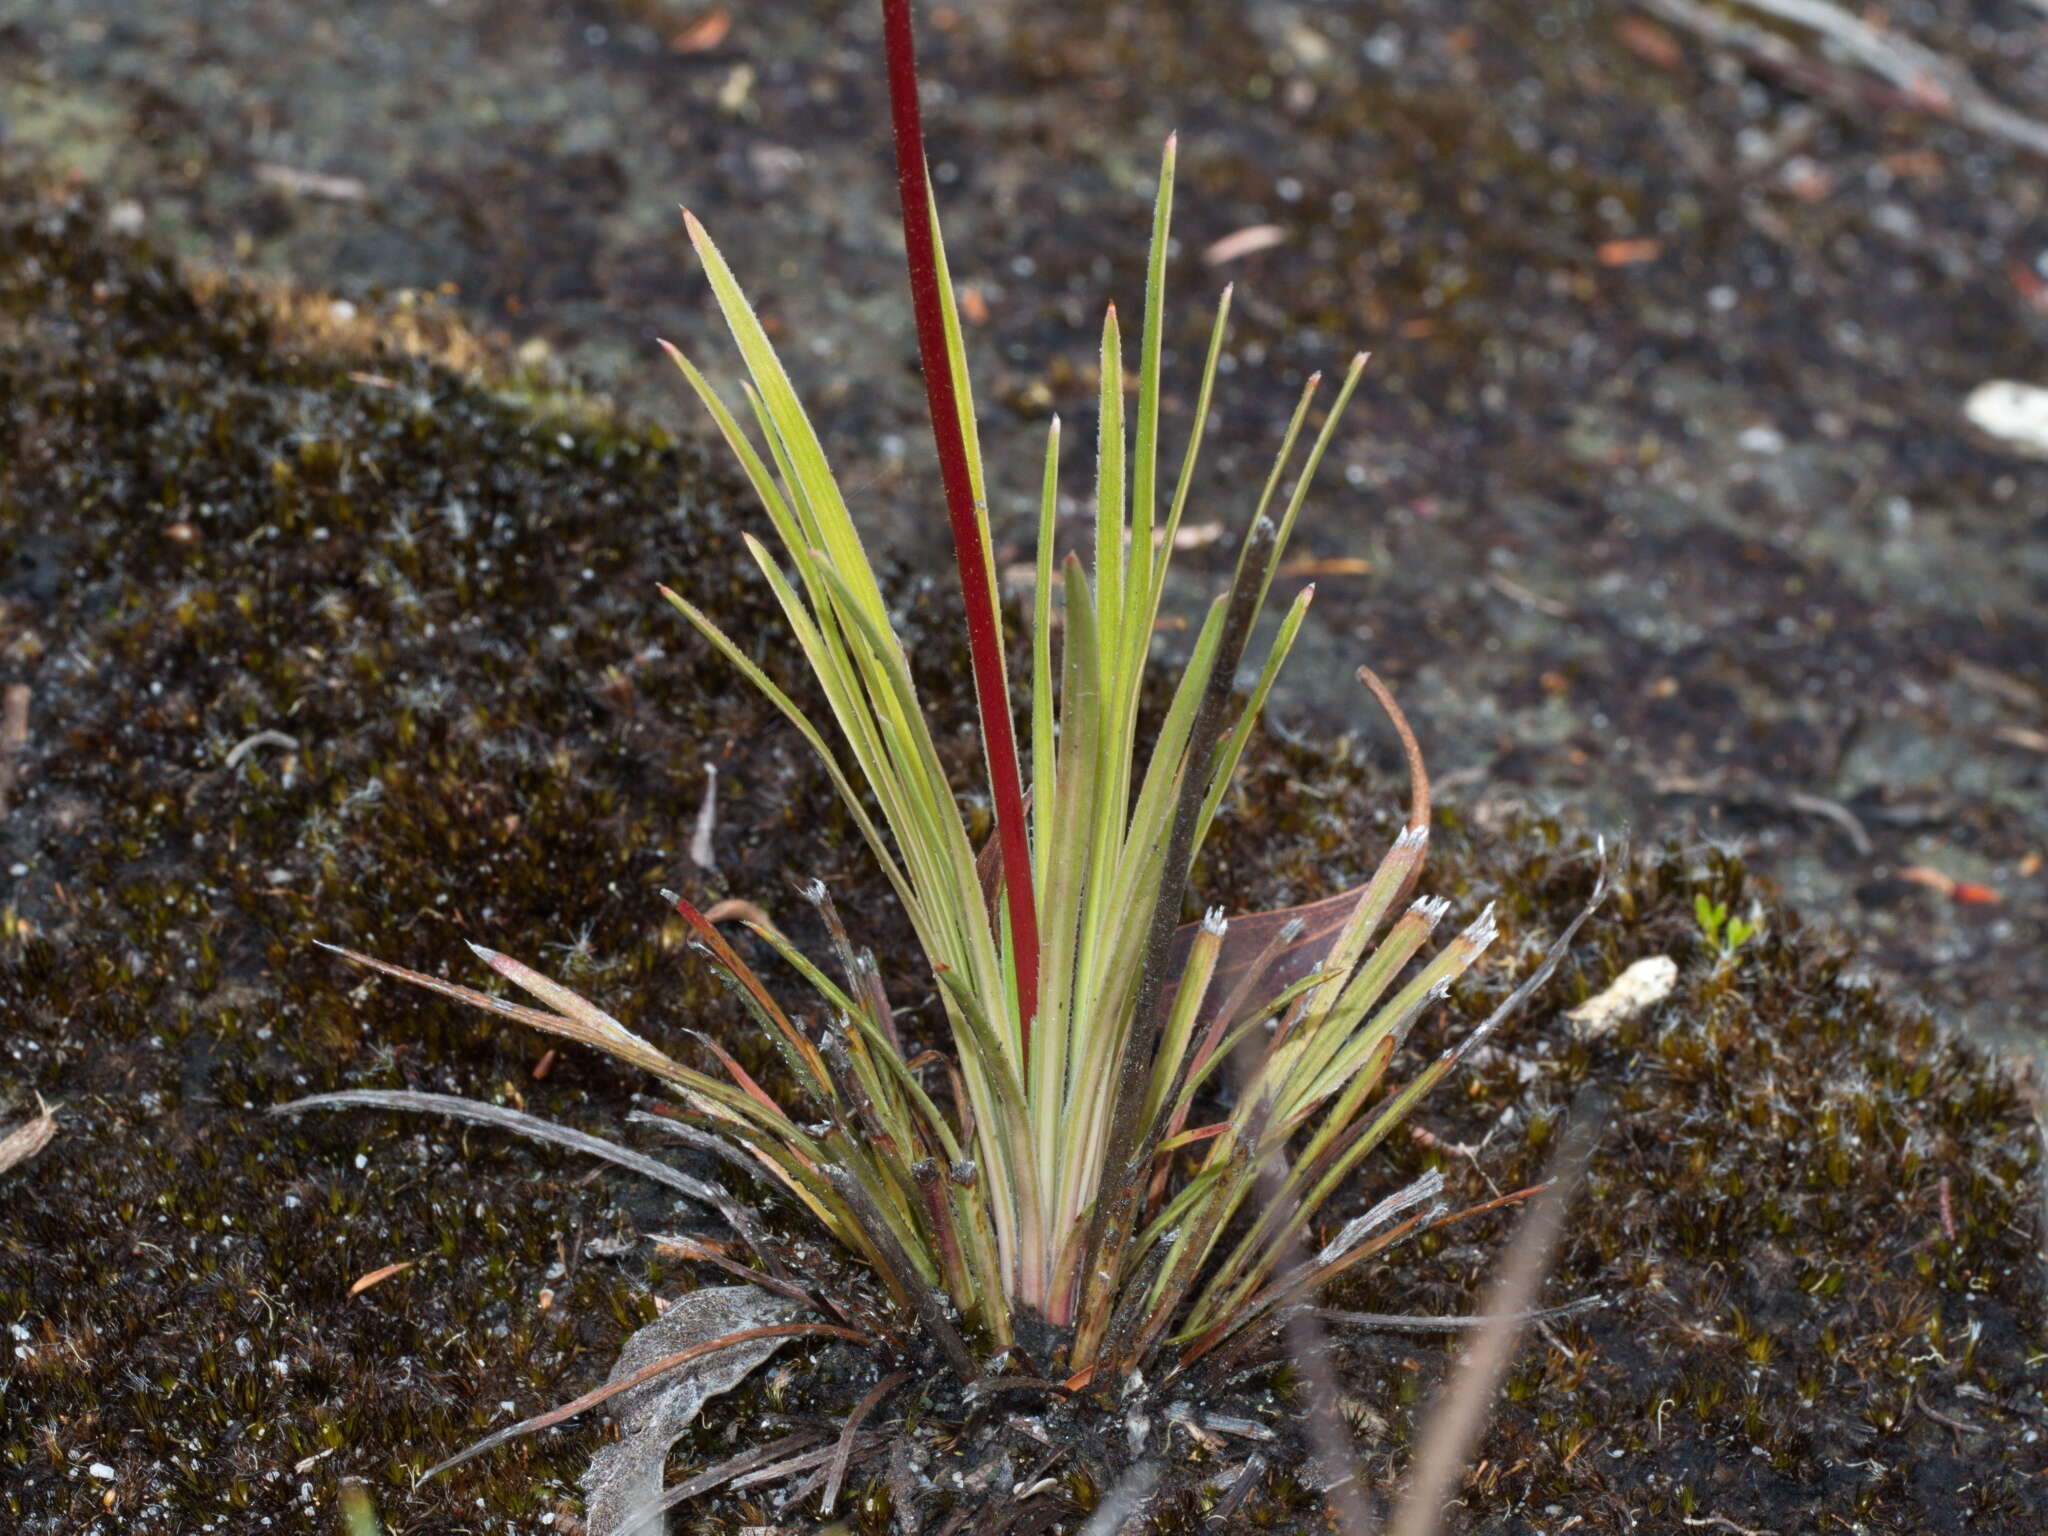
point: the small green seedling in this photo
(1723, 934)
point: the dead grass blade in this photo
(480, 1113)
(854, 1420)
(716, 1477)
(615, 1041)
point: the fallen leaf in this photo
(973, 305)
(28, 1138)
(1628, 253)
(1244, 242)
(1972, 894)
(379, 1276)
(703, 34)
(625, 1475)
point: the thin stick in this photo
(984, 628)
(854, 1420)
(1459, 1413)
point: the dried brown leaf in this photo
(28, 1138)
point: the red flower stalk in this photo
(984, 631)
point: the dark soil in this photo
(1671, 512)
(224, 514)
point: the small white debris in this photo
(2018, 413)
(1765, 440)
(102, 1471)
(702, 854)
(1642, 985)
(1244, 242)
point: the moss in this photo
(218, 522)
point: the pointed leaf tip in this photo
(489, 956)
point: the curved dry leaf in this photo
(624, 1477)
(28, 1138)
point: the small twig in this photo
(1923, 79)
(335, 189)
(1960, 1426)
(1550, 607)
(1835, 811)
(249, 744)
(690, 1248)
(844, 1452)
(1455, 1419)
(1773, 797)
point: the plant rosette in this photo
(1080, 1202)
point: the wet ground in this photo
(1695, 539)
(1671, 514)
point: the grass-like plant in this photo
(1111, 1164)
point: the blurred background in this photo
(1696, 484)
